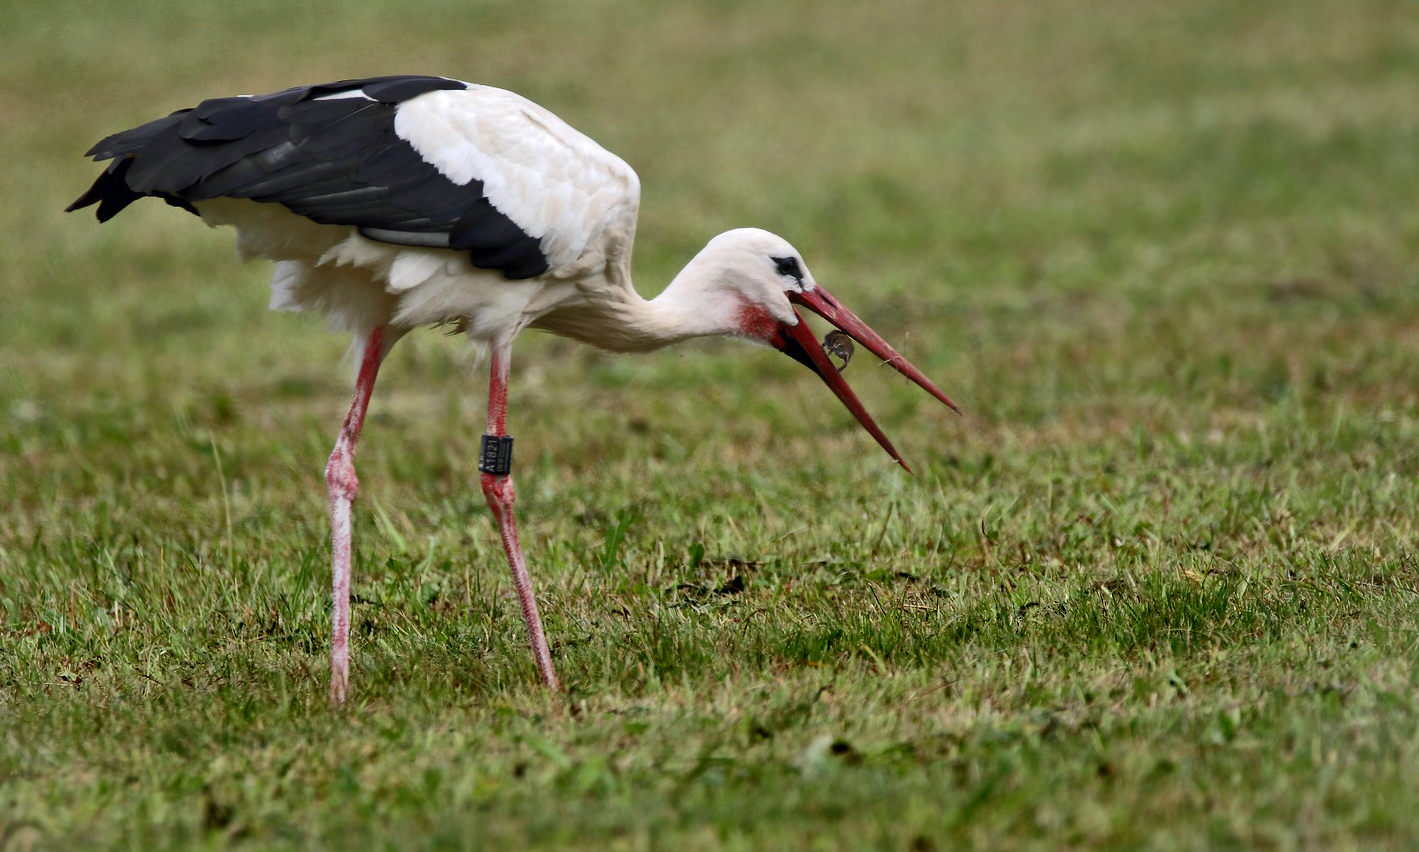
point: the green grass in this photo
(1156, 590)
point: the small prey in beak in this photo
(838, 345)
(797, 342)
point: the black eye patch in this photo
(788, 266)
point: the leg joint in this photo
(340, 472)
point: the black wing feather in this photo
(335, 161)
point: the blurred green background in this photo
(1154, 589)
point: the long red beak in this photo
(797, 342)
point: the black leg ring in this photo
(496, 455)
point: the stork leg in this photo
(342, 483)
(499, 492)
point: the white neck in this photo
(731, 288)
(618, 318)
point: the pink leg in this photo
(340, 478)
(498, 489)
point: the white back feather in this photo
(551, 180)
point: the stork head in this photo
(752, 284)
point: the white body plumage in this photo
(552, 181)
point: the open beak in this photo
(797, 342)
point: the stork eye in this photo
(788, 266)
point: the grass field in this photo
(1155, 590)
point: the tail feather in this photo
(113, 191)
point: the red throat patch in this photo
(755, 321)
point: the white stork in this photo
(390, 203)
